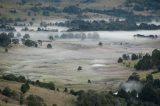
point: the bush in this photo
(134, 57)
(79, 68)
(65, 89)
(156, 57)
(30, 43)
(34, 100)
(26, 36)
(125, 57)
(49, 46)
(120, 60)
(25, 87)
(134, 77)
(5, 39)
(49, 85)
(7, 92)
(100, 44)
(15, 41)
(9, 77)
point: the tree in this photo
(49, 46)
(125, 57)
(156, 57)
(15, 41)
(51, 38)
(30, 43)
(89, 81)
(83, 37)
(26, 36)
(19, 34)
(149, 78)
(100, 44)
(72, 10)
(134, 57)
(11, 34)
(79, 68)
(120, 60)
(25, 87)
(33, 100)
(148, 94)
(65, 89)
(6, 50)
(134, 77)
(45, 13)
(7, 92)
(145, 63)
(51, 86)
(5, 39)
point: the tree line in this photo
(82, 25)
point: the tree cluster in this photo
(149, 61)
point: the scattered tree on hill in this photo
(25, 87)
(134, 57)
(134, 77)
(33, 100)
(145, 63)
(89, 81)
(149, 78)
(156, 57)
(7, 92)
(65, 89)
(125, 57)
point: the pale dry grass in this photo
(50, 97)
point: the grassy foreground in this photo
(50, 97)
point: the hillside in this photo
(40, 9)
(50, 97)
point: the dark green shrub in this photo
(7, 92)
(49, 46)
(34, 100)
(25, 87)
(120, 60)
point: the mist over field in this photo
(79, 52)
